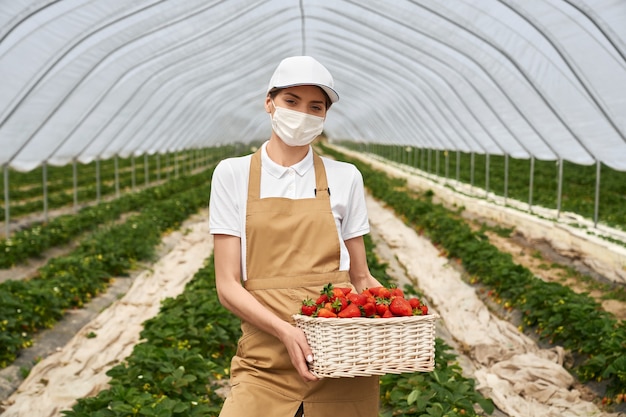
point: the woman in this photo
(285, 223)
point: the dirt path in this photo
(78, 369)
(545, 263)
(522, 379)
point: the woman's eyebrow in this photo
(299, 98)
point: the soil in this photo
(536, 256)
(545, 263)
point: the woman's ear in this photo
(268, 104)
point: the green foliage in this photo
(578, 188)
(26, 188)
(186, 349)
(70, 281)
(555, 312)
(442, 392)
(36, 238)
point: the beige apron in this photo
(292, 252)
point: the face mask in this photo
(296, 128)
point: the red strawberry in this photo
(384, 293)
(369, 309)
(415, 302)
(308, 307)
(367, 293)
(337, 293)
(341, 291)
(424, 309)
(397, 292)
(322, 299)
(358, 299)
(352, 310)
(375, 291)
(387, 314)
(326, 313)
(345, 290)
(339, 304)
(382, 305)
(400, 307)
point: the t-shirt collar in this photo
(278, 171)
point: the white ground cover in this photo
(523, 380)
(78, 369)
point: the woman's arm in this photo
(360, 275)
(233, 296)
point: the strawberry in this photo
(424, 309)
(345, 290)
(341, 291)
(397, 292)
(387, 314)
(384, 293)
(322, 299)
(339, 304)
(326, 294)
(415, 302)
(337, 293)
(358, 299)
(369, 309)
(382, 305)
(400, 307)
(308, 307)
(352, 310)
(375, 291)
(325, 313)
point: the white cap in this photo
(303, 70)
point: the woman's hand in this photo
(299, 350)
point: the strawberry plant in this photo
(556, 313)
(33, 240)
(442, 392)
(70, 281)
(578, 184)
(176, 369)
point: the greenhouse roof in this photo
(87, 79)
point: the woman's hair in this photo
(274, 91)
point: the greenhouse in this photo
(490, 137)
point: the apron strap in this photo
(321, 185)
(254, 180)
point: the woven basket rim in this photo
(338, 321)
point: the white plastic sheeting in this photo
(86, 79)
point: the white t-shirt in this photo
(229, 195)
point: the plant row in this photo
(69, 281)
(33, 240)
(185, 356)
(578, 188)
(26, 189)
(22, 184)
(554, 312)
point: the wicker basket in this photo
(368, 346)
